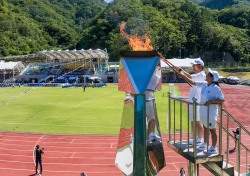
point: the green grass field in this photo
(57, 110)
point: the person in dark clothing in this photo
(182, 171)
(236, 138)
(38, 153)
(84, 87)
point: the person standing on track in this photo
(236, 138)
(38, 153)
(182, 171)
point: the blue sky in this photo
(108, 0)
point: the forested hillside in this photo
(28, 26)
(178, 28)
(220, 4)
(175, 27)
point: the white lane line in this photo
(75, 126)
(72, 156)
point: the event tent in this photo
(179, 62)
(11, 65)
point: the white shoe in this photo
(212, 150)
(202, 146)
(198, 141)
(157, 138)
(154, 137)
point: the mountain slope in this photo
(176, 28)
(221, 4)
(29, 26)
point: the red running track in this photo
(69, 155)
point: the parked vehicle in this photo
(233, 80)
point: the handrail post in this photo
(238, 152)
(220, 131)
(194, 126)
(174, 121)
(207, 131)
(188, 125)
(227, 156)
(181, 123)
(169, 117)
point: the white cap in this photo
(198, 62)
(215, 74)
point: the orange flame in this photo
(135, 42)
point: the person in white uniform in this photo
(151, 105)
(195, 92)
(211, 96)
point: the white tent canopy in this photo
(179, 62)
(11, 65)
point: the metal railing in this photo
(177, 120)
(184, 101)
(238, 143)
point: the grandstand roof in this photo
(62, 55)
(180, 62)
(74, 54)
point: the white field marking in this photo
(14, 149)
(14, 169)
(77, 172)
(19, 136)
(72, 141)
(8, 161)
(69, 141)
(72, 156)
(66, 138)
(57, 136)
(15, 155)
(61, 157)
(175, 166)
(60, 163)
(17, 145)
(10, 123)
(66, 143)
(60, 147)
(35, 147)
(14, 97)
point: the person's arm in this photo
(184, 73)
(219, 97)
(187, 78)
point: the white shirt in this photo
(149, 93)
(195, 91)
(211, 92)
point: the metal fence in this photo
(179, 135)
